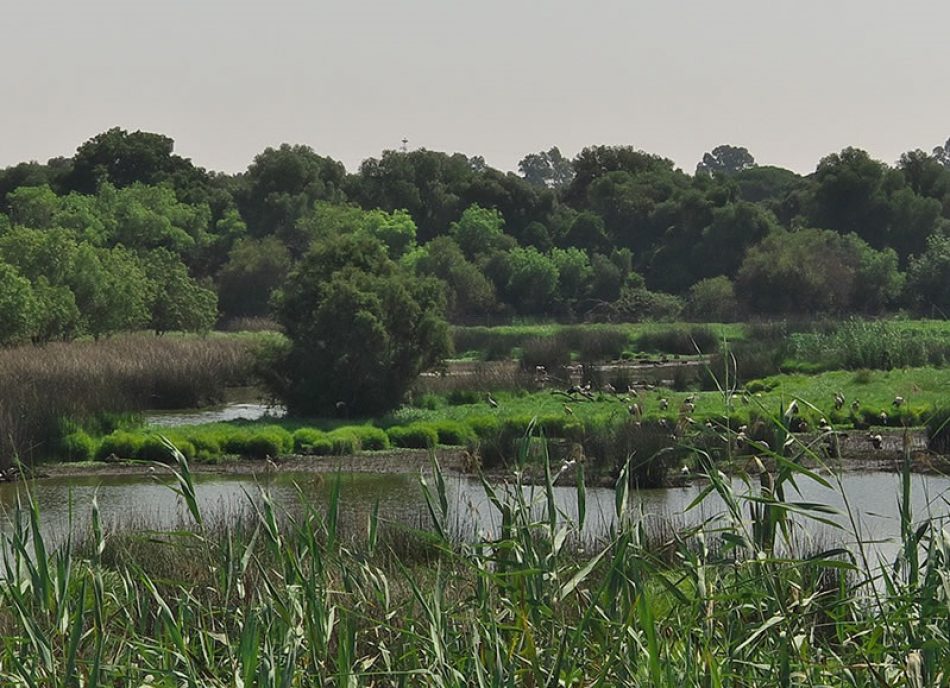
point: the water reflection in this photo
(140, 502)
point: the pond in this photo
(144, 502)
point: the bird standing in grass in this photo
(898, 402)
(839, 400)
(491, 401)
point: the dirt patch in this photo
(394, 461)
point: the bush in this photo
(454, 433)
(124, 445)
(550, 352)
(78, 446)
(414, 436)
(153, 448)
(305, 439)
(260, 443)
(343, 441)
(370, 438)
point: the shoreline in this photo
(456, 461)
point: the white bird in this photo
(897, 402)
(491, 401)
(664, 404)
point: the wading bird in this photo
(491, 401)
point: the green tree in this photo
(111, 290)
(814, 270)
(281, 186)
(533, 280)
(574, 273)
(727, 160)
(547, 169)
(468, 292)
(928, 278)
(255, 268)
(712, 300)
(360, 329)
(175, 300)
(479, 232)
(17, 306)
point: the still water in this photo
(141, 502)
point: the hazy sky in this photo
(791, 81)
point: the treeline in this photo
(125, 234)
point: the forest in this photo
(126, 235)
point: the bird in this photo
(568, 410)
(876, 440)
(684, 470)
(664, 404)
(271, 464)
(634, 410)
(839, 400)
(883, 417)
(855, 405)
(688, 406)
(491, 401)
(691, 399)
(898, 401)
(632, 391)
(609, 389)
(823, 426)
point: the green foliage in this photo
(712, 299)
(360, 330)
(413, 436)
(17, 306)
(479, 231)
(78, 446)
(454, 433)
(255, 268)
(120, 444)
(928, 281)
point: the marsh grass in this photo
(309, 598)
(90, 381)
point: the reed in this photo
(314, 597)
(43, 386)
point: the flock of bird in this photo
(577, 393)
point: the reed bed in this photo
(42, 388)
(293, 599)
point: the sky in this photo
(791, 81)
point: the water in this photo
(214, 414)
(141, 502)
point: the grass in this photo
(306, 598)
(89, 381)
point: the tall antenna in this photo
(405, 145)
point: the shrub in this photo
(78, 446)
(343, 441)
(453, 432)
(413, 436)
(306, 438)
(938, 430)
(153, 448)
(461, 397)
(595, 344)
(550, 352)
(260, 443)
(370, 438)
(124, 445)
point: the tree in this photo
(479, 231)
(547, 169)
(814, 270)
(123, 159)
(282, 184)
(726, 160)
(175, 300)
(360, 329)
(17, 306)
(712, 300)
(468, 292)
(255, 268)
(942, 154)
(574, 273)
(928, 278)
(532, 282)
